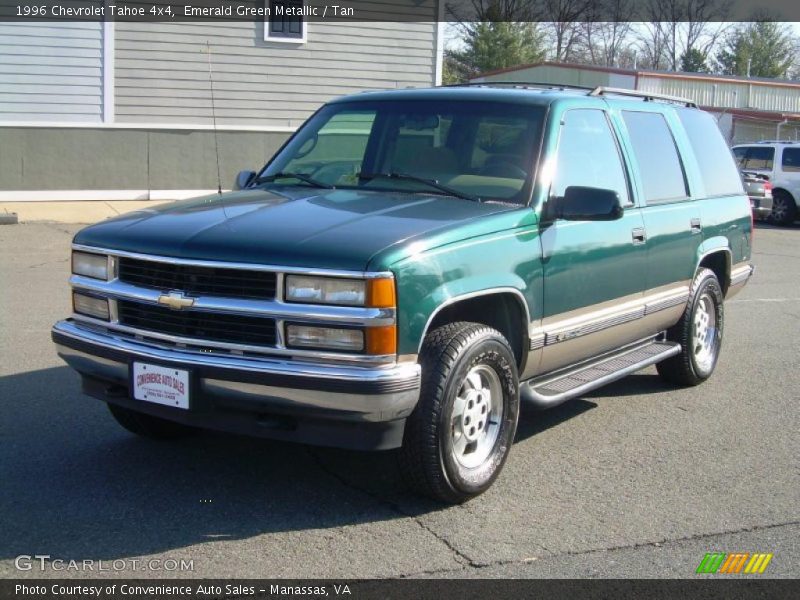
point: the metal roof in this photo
(648, 73)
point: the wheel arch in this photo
(510, 315)
(783, 190)
(715, 254)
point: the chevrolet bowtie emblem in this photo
(175, 300)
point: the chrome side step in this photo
(551, 390)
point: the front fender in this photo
(503, 263)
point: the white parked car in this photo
(780, 162)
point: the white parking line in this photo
(764, 300)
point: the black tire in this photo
(148, 426)
(428, 459)
(784, 209)
(693, 366)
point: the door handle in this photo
(639, 236)
(696, 225)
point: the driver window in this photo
(588, 155)
(334, 154)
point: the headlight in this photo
(90, 265)
(322, 290)
(90, 305)
(303, 336)
(377, 292)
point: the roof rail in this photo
(521, 84)
(646, 96)
(776, 142)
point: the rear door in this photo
(594, 271)
(672, 218)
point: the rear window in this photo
(657, 156)
(717, 167)
(755, 157)
(791, 159)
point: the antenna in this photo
(214, 116)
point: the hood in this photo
(289, 226)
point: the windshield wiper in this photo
(429, 182)
(300, 176)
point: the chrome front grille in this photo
(234, 308)
(198, 280)
(214, 327)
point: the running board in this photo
(552, 390)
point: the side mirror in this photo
(589, 204)
(243, 179)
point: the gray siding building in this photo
(117, 111)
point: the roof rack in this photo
(593, 91)
(646, 96)
(521, 84)
(777, 142)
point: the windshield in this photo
(474, 150)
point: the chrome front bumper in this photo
(260, 387)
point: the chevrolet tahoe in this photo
(412, 267)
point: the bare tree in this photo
(606, 31)
(678, 28)
(470, 11)
(566, 27)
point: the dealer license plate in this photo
(161, 385)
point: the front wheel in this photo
(699, 332)
(459, 435)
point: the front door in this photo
(594, 271)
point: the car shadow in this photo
(75, 485)
(638, 384)
(769, 225)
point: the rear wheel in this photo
(149, 426)
(699, 333)
(784, 210)
(458, 437)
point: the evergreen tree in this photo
(768, 47)
(493, 45)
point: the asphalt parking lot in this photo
(636, 480)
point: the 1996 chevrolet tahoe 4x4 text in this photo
(412, 264)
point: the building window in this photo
(285, 22)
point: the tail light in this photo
(767, 189)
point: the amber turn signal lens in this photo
(380, 293)
(382, 340)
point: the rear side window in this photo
(719, 172)
(791, 159)
(657, 156)
(755, 157)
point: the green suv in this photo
(413, 268)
